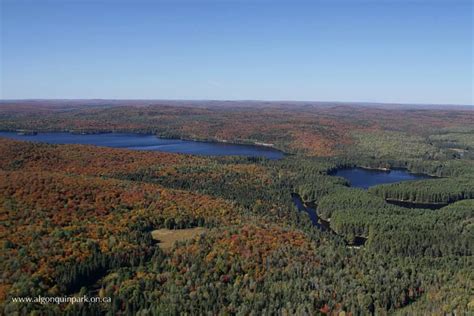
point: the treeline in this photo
(436, 168)
(246, 185)
(400, 231)
(446, 190)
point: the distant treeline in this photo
(428, 191)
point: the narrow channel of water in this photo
(320, 223)
(298, 201)
(407, 204)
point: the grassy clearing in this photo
(168, 237)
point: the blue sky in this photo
(376, 51)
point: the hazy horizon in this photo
(212, 102)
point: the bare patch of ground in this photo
(168, 237)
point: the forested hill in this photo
(313, 129)
(79, 220)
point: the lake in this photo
(365, 178)
(151, 143)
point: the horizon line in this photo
(238, 100)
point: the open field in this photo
(168, 237)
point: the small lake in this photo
(151, 143)
(365, 178)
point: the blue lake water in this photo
(150, 142)
(365, 178)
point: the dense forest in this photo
(78, 220)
